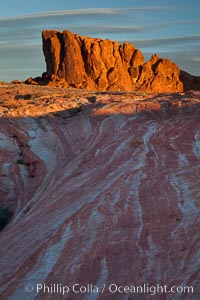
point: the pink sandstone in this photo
(107, 195)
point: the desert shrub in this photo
(92, 99)
(5, 215)
(23, 97)
(20, 161)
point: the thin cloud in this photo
(89, 11)
(185, 21)
(99, 29)
(23, 69)
(20, 44)
(166, 41)
(86, 29)
(196, 58)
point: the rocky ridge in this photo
(95, 64)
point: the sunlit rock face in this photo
(105, 194)
(96, 64)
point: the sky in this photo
(169, 28)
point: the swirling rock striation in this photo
(107, 195)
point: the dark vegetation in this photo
(5, 216)
(23, 97)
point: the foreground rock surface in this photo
(95, 64)
(104, 188)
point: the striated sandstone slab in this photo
(109, 194)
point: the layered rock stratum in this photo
(104, 189)
(95, 64)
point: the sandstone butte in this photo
(95, 64)
(104, 189)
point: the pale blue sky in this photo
(169, 28)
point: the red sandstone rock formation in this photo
(110, 196)
(97, 64)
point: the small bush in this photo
(20, 161)
(5, 215)
(23, 97)
(92, 99)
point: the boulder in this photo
(160, 75)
